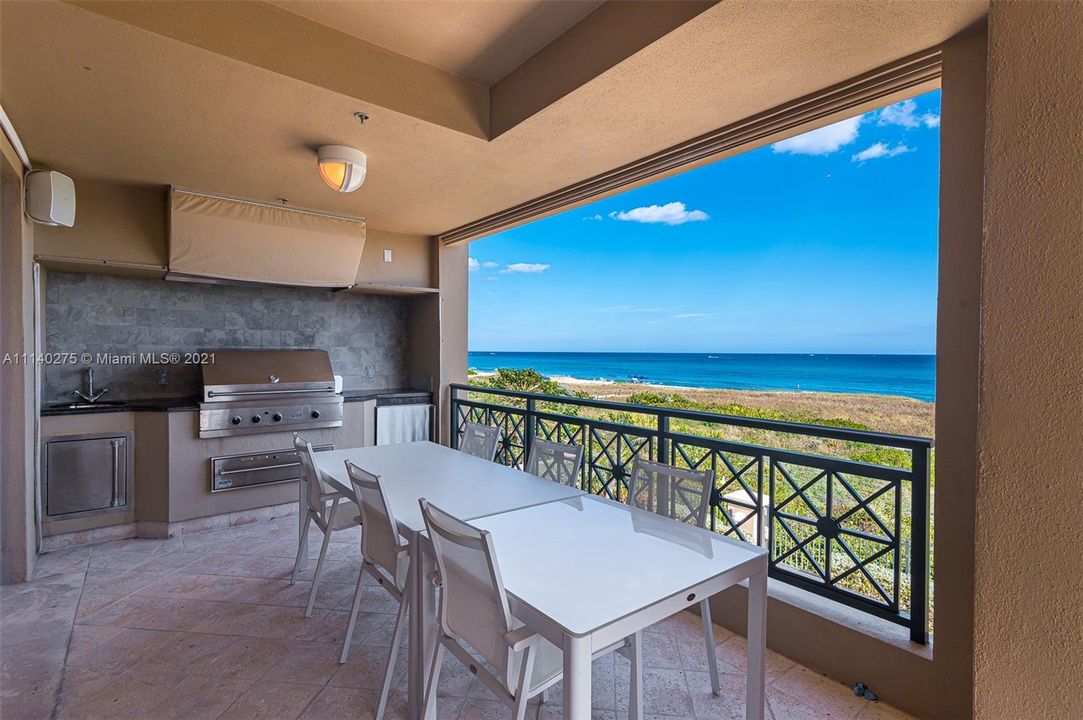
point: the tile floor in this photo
(207, 626)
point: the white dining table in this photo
(585, 572)
(581, 570)
(460, 484)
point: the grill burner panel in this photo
(261, 416)
(259, 391)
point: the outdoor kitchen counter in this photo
(179, 404)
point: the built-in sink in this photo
(84, 405)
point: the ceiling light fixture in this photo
(342, 168)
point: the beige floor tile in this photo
(825, 696)
(306, 662)
(85, 638)
(267, 700)
(605, 685)
(447, 708)
(732, 653)
(93, 602)
(103, 695)
(341, 703)
(332, 626)
(665, 692)
(553, 711)
(728, 705)
(245, 657)
(881, 711)
(199, 697)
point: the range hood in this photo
(219, 239)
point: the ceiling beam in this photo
(598, 42)
(268, 37)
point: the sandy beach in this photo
(885, 413)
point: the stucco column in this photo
(1028, 609)
(17, 412)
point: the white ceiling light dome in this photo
(342, 168)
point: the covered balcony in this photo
(246, 471)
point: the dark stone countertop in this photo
(180, 404)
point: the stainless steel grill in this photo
(259, 391)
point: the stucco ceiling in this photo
(483, 40)
(166, 96)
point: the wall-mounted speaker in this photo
(50, 198)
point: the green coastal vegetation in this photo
(861, 413)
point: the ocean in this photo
(911, 376)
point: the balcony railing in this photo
(853, 531)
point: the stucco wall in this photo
(1028, 619)
(19, 539)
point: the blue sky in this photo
(825, 242)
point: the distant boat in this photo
(712, 357)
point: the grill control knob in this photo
(315, 414)
(277, 417)
(256, 418)
(236, 419)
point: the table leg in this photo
(577, 667)
(422, 624)
(756, 647)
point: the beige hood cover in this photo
(221, 238)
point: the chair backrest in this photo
(310, 475)
(381, 543)
(473, 604)
(676, 493)
(480, 441)
(555, 461)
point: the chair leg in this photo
(302, 548)
(434, 680)
(319, 563)
(708, 636)
(522, 690)
(393, 655)
(635, 699)
(354, 607)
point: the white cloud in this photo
(474, 264)
(673, 213)
(879, 150)
(905, 114)
(821, 141)
(682, 316)
(531, 268)
(595, 217)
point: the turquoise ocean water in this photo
(907, 375)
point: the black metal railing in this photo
(851, 530)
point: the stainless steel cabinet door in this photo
(84, 474)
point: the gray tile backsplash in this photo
(99, 314)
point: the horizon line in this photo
(686, 352)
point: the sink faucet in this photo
(90, 396)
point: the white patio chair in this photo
(480, 441)
(385, 556)
(555, 461)
(682, 495)
(341, 514)
(515, 663)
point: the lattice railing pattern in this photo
(837, 525)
